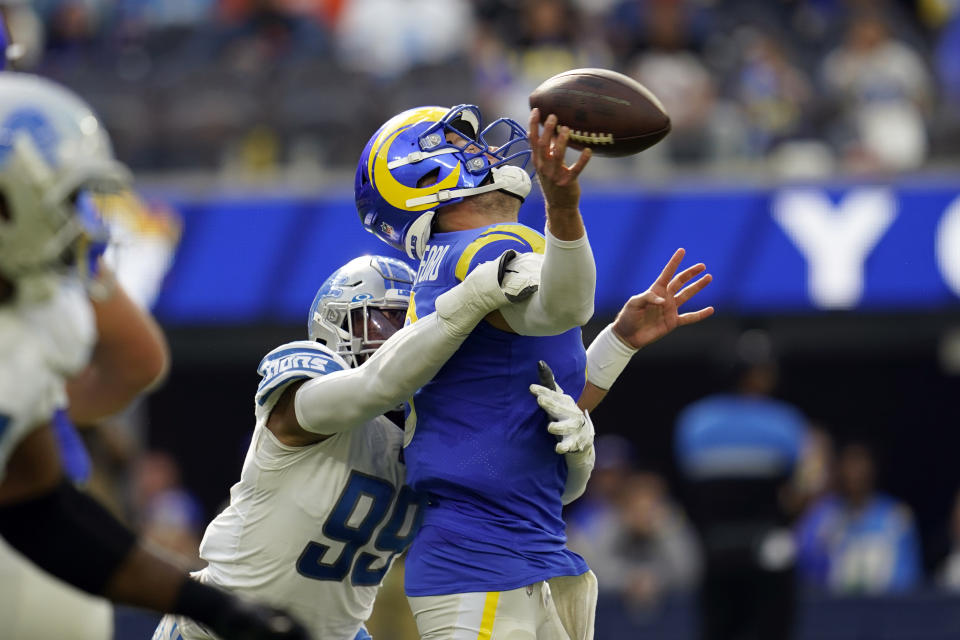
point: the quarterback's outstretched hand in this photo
(561, 190)
(569, 423)
(649, 316)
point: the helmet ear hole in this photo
(429, 178)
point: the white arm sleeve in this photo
(579, 468)
(346, 399)
(568, 279)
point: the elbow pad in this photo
(69, 535)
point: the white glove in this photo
(520, 275)
(491, 285)
(569, 423)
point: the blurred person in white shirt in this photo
(884, 91)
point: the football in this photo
(607, 111)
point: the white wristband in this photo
(607, 357)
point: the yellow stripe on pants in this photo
(489, 612)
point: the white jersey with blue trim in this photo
(311, 529)
(42, 345)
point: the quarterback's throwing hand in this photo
(568, 422)
(558, 182)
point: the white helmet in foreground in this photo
(54, 155)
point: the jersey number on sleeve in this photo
(342, 526)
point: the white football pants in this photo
(561, 608)
(36, 606)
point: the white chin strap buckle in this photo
(418, 234)
(513, 180)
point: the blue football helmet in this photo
(413, 164)
(362, 304)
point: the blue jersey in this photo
(478, 444)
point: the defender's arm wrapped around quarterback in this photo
(568, 280)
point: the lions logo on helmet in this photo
(360, 305)
(53, 154)
(431, 156)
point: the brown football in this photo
(607, 111)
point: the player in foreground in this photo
(321, 508)
(53, 303)
(491, 559)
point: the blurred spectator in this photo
(551, 40)
(615, 458)
(859, 540)
(493, 72)
(72, 29)
(167, 514)
(632, 25)
(151, 15)
(646, 550)
(540, 39)
(775, 95)
(253, 66)
(884, 92)
(386, 38)
(737, 453)
(267, 34)
(27, 34)
(677, 76)
(947, 55)
(949, 576)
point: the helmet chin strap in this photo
(511, 179)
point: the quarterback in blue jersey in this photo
(321, 508)
(437, 184)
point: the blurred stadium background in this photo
(814, 166)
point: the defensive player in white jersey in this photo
(321, 508)
(59, 329)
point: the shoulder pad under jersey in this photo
(294, 361)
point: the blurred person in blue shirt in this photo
(593, 512)
(856, 539)
(167, 513)
(738, 453)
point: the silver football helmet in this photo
(362, 304)
(54, 157)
